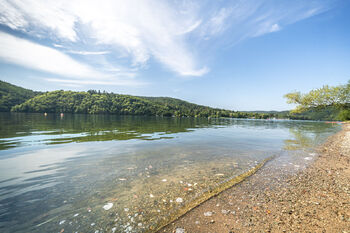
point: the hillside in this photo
(18, 99)
(93, 102)
(11, 95)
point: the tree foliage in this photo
(11, 95)
(321, 98)
(93, 102)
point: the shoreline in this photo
(315, 199)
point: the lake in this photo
(105, 173)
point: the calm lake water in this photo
(98, 173)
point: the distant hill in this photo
(18, 99)
(96, 102)
(11, 95)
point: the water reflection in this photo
(19, 129)
(47, 187)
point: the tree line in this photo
(326, 103)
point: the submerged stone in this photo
(108, 206)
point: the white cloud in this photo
(33, 15)
(275, 27)
(239, 20)
(88, 52)
(218, 22)
(120, 82)
(135, 31)
(34, 56)
(141, 29)
(58, 45)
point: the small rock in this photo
(208, 214)
(219, 174)
(108, 206)
(179, 230)
(225, 211)
(179, 200)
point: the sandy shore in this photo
(315, 199)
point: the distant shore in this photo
(316, 199)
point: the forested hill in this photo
(18, 99)
(11, 95)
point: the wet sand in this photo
(282, 198)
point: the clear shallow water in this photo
(86, 173)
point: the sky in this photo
(238, 55)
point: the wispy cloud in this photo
(88, 52)
(239, 20)
(120, 82)
(141, 29)
(134, 32)
(35, 56)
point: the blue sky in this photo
(239, 55)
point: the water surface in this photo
(104, 173)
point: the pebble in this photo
(219, 174)
(75, 215)
(179, 230)
(151, 195)
(208, 214)
(108, 206)
(92, 224)
(164, 180)
(126, 209)
(179, 200)
(139, 224)
(114, 229)
(307, 158)
(122, 179)
(225, 211)
(61, 222)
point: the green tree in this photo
(322, 98)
